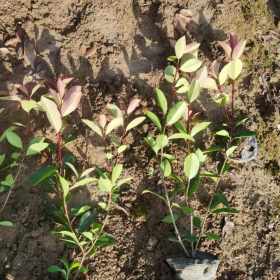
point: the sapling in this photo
(188, 76)
(83, 227)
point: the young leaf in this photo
(52, 112)
(105, 184)
(169, 73)
(223, 76)
(6, 224)
(212, 236)
(115, 111)
(199, 127)
(189, 63)
(182, 86)
(134, 123)
(116, 173)
(176, 113)
(55, 269)
(114, 124)
(180, 47)
(238, 50)
(230, 151)
(202, 158)
(28, 105)
(122, 148)
(13, 139)
(42, 174)
(218, 199)
(226, 48)
(71, 100)
(62, 83)
(93, 126)
(84, 182)
(191, 166)
(161, 142)
(36, 148)
(133, 105)
(222, 133)
(193, 92)
(64, 186)
(2, 158)
(235, 68)
(181, 135)
(154, 118)
(124, 181)
(168, 219)
(165, 167)
(161, 101)
(194, 185)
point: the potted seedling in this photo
(177, 124)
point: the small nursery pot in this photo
(202, 267)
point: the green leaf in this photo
(223, 133)
(218, 199)
(28, 105)
(197, 222)
(169, 73)
(105, 184)
(194, 185)
(168, 219)
(221, 99)
(88, 235)
(199, 127)
(86, 220)
(55, 269)
(65, 186)
(202, 157)
(36, 148)
(182, 135)
(180, 47)
(235, 68)
(189, 63)
(135, 123)
(122, 148)
(52, 112)
(193, 92)
(230, 151)
(2, 158)
(165, 168)
(9, 181)
(161, 101)
(245, 134)
(81, 210)
(182, 86)
(212, 236)
(228, 210)
(191, 166)
(93, 126)
(6, 224)
(115, 111)
(161, 141)
(223, 76)
(42, 174)
(72, 168)
(124, 181)
(84, 182)
(14, 139)
(116, 173)
(114, 124)
(69, 234)
(154, 118)
(176, 113)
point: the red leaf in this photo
(62, 83)
(71, 100)
(133, 105)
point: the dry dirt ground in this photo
(118, 49)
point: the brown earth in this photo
(118, 49)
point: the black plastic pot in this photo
(202, 267)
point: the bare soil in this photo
(117, 49)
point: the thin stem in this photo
(15, 182)
(59, 149)
(210, 203)
(85, 254)
(232, 99)
(191, 215)
(177, 232)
